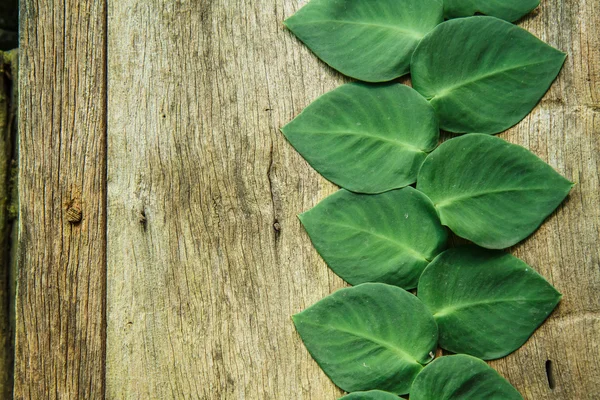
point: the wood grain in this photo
(61, 280)
(206, 258)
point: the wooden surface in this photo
(205, 257)
(61, 282)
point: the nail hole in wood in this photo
(277, 226)
(550, 374)
(142, 219)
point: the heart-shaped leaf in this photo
(461, 377)
(366, 138)
(389, 237)
(371, 336)
(367, 40)
(371, 395)
(490, 191)
(483, 74)
(486, 303)
(509, 10)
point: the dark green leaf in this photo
(389, 237)
(370, 395)
(486, 303)
(366, 138)
(371, 336)
(509, 10)
(367, 40)
(483, 74)
(490, 191)
(461, 377)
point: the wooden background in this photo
(158, 120)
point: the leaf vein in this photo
(408, 32)
(449, 201)
(374, 137)
(379, 342)
(448, 90)
(414, 253)
(450, 309)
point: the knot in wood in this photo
(74, 214)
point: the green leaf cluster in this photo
(477, 76)
(470, 300)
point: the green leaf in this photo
(370, 395)
(482, 74)
(486, 303)
(389, 237)
(509, 10)
(366, 138)
(490, 191)
(461, 377)
(367, 40)
(371, 336)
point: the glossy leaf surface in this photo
(366, 138)
(461, 377)
(483, 74)
(389, 237)
(490, 191)
(371, 395)
(509, 10)
(486, 303)
(367, 40)
(371, 336)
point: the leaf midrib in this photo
(381, 343)
(444, 92)
(410, 250)
(399, 143)
(445, 311)
(451, 200)
(414, 34)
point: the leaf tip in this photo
(283, 129)
(290, 22)
(297, 320)
(559, 297)
(564, 54)
(301, 217)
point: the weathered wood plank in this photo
(206, 258)
(61, 279)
